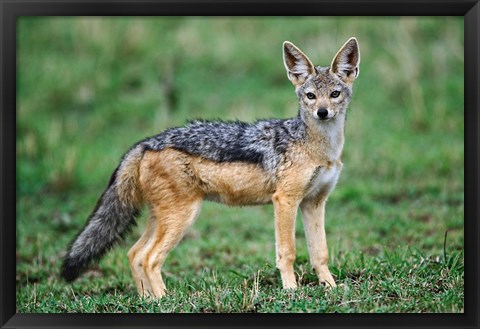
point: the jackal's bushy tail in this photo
(113, 215)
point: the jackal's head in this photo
(323, 92)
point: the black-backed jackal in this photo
(293, 163)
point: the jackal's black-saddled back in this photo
(262, 142)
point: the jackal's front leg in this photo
(313, 216)
(285, 215)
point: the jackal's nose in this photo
(322, 113)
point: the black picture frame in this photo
(11, 10)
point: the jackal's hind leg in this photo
(172, 222)
(136, 257)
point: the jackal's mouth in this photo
(328, 118)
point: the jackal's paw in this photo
(151, 295)
(289, 285)
(328, 284)
(325, 278)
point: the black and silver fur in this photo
(263, 142)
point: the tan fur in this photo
(173, 184)
(235, 184)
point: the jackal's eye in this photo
(335, 94)
(310, 95)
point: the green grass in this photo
(89, 88)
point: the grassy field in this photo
(87, 89)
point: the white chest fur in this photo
(324, 179)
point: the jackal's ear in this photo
(298, 66)
(347, 60)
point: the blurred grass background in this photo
(88, 88)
